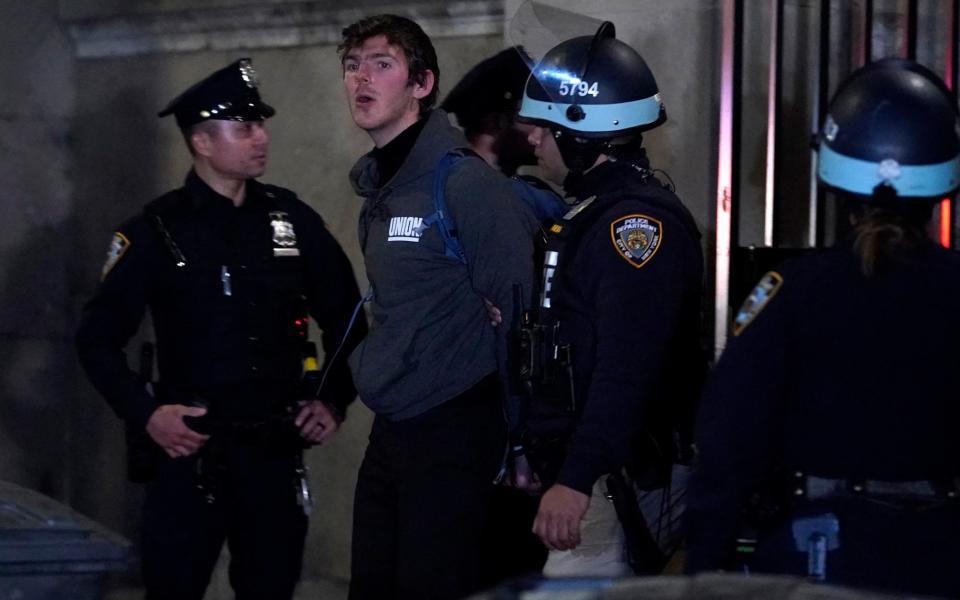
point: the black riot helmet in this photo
(891, 132)
(589, 91)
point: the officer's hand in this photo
(493, 313)
(522, 476)
(168, 430)
(316, 422)
(558, 520)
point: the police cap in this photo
(494, 85)
(229, 94)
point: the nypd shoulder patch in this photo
(118, 246)
(757, 300)
(636, 238)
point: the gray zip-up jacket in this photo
(431, 337)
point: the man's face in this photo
(381, 100)
(235, 149)
(548, 155)
(514, 145)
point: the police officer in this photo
(619, 315)
(229, 269)
(485, 103)
(831, 418)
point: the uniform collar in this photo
(608, 176)
(203, 196)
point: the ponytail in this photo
(884, 232)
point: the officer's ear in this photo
(201, 139)
(495, 123)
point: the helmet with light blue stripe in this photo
(891, 131)
(589, 90)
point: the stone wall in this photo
(37, 210)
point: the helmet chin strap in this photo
(579, 154)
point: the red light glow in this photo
(946, 220)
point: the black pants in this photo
(255, 511)
(512, 546)
(886, 547)
(423, 500)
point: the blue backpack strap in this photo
(441, 215)
(546, 204)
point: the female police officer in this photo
(832, 412)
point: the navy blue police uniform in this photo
(834, 400)
(827, 431)
(625, 296)
(225, 286)
(229, 289)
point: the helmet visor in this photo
(583, 79)
(535, 29)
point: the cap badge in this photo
(248, 74)
(889, 169)
(830, 129)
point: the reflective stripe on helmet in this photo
(598, 118)
(862, 177)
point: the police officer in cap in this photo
(619, 313)
(230, 268)
(830, 421)
(485, 102)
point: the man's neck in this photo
(483, 144)
(600, 160)
(234, 189)
(572, 181)
(391, 156)
(382, 137)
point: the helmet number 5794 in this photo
(581, 88)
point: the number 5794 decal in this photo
(581, 88)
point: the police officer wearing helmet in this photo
(830, 421)
(229, 268)
(620, 307)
